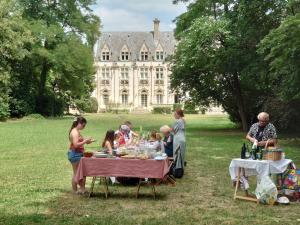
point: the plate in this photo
(101, 155)
(160, 158)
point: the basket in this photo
(274, 154)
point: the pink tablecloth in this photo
(117, 167)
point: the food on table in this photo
(143, 156)
(88, 154)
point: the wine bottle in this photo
(243, 151)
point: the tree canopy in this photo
(225, 54)
(58, 67)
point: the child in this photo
(155, 140)
(131, 133)
(168, 140)
(108, 142)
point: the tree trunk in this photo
(240, 103)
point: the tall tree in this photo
(217, 59)
(61, 57)
(13, 38)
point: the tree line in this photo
(243, 55)
(46, 55)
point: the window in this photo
(159, 99)
(176, 99)
(124, 73)
(144, 56)
(105, 56)
(124, 97)
(159, 73)
(159, 55)
(144, 99)
(125, 56)
(144, 73)
(105, 97)
(105, 75)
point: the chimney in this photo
(156, 29)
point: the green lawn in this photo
(35, 177)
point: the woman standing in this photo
(76, 150)
(179, 137)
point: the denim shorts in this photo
(74, 156)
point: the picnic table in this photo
(259, 168)
(120, 167)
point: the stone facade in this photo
(132, 72)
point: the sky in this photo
(137, 15)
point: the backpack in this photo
(177, 172)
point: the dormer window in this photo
(105, 54)
(159, 53)
(144, 53)
(125, 54)
(144, 56)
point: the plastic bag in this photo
(266, 190)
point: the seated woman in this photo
(168, 140)
(117, 139)
(108, 142)
(155, 140)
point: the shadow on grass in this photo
(68, 208)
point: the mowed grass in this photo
(35, 177)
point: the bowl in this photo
(88, 154)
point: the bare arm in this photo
(270, 142)
(74, 138)
(108, 146)
(251, 139)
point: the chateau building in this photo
(132, 71)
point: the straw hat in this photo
(165, 129)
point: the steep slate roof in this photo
(134, 41)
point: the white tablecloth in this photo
(258, 167)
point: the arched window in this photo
(105, 97)
(159, 97)
(144, 98)
(124, 97)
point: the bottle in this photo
(243, 151)
(254, 150)
(247, 155)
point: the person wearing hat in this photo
(124, 135)
(168, 140)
